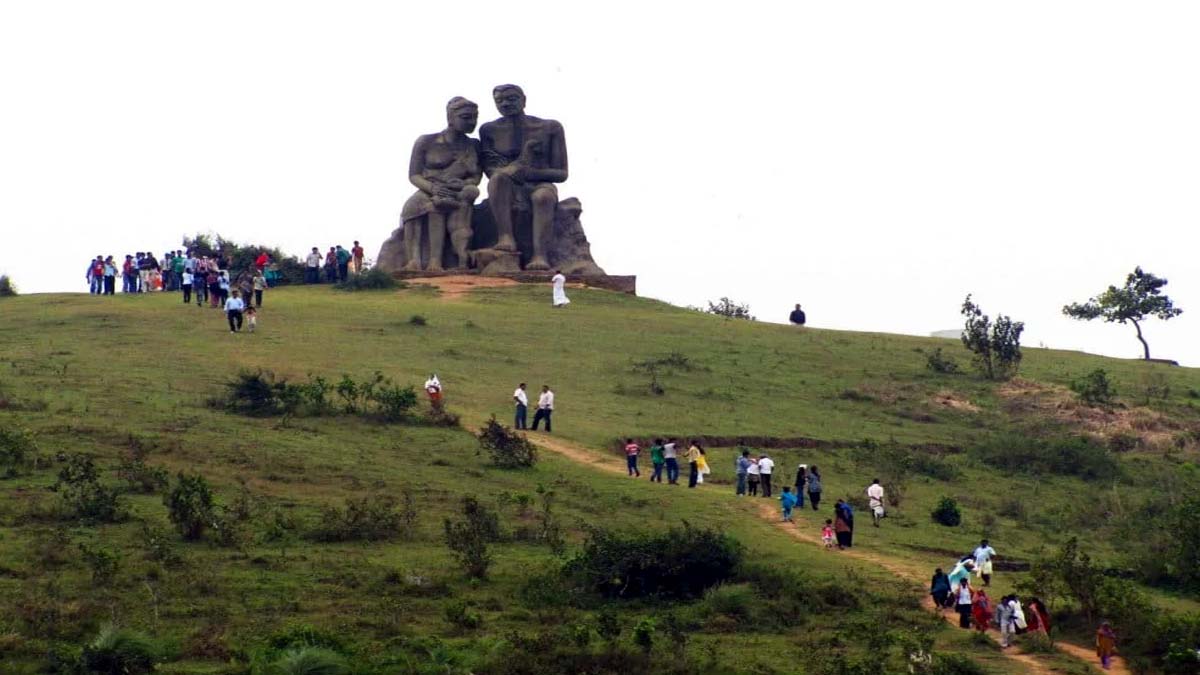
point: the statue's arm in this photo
(491, 159)
(416, 166)
(556, 159)
(475, 175)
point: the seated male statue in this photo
(523, 157)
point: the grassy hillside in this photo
(100, 376)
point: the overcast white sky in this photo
(875, 161)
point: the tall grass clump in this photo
(1066, 456)
(373, 279)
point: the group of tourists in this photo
(337, 263)
(141, 272)
(975, 607)
(664, 458)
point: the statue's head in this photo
(510, 99)
(462, 114)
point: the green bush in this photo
(736, 601)
(955, 664)
(7, 288)
(458, 614)
(1094, 388)
(139, 476)
(374, 279)
(996, 346)
(418, 320)
(371, 518)
(947, 513)
(190, 505)
(509, 449)
(641, 565)
(17, 450)
(308, 661)
(119, 651)
(1079, 456)
(103, 563)
(468, 538)
(940, 363)
(84, 495)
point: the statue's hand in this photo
(513, 170)
(455, 184)
(445, 192)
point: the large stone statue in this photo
(522, 224)
(445, 168)
(523, 156)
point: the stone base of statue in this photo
(567, 249)
(619, 283)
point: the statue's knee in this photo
(500, 182)
(544, 198)
(470, 193)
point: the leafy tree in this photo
(7, 288)
(1139, 299)
(997, 346)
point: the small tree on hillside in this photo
(730, 309)
(997, 346)
(1139, 299)
(7, 288)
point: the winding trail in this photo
(770, 512)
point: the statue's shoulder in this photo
(486, 128)
(552, 126)
(426, 139)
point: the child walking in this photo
(251, 318)
(788, 501)
(827, 533)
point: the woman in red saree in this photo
(981, 610)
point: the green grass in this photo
(85, 373)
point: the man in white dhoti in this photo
(560, 293)
(983, 561)
(875, 500)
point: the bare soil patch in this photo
(456, 286)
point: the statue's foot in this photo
(538, 263)
(506, 244)
(413, 266)
(434, 267)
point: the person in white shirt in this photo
(671, 458)
(752, 477)
(522, 402)
(765, 466)
(875, 500)
(188, 277)
(560, 293)
(312, 267)
(433, 387)
(233, 311)
(983, 561)
(545, 408)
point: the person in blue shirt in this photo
(788, 501)
(741, 467)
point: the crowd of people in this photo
(337, 264)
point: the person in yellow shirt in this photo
(693, 459)
(702, 465)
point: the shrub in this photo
(997, 346)
(7, 288)
(736, 601)
(190, 505)
(730, 309)
(1068, 456)
(374, 279)
(468, 538)
(83, 494)
(102, 562)
(947, 513)
(370, 518)
(939, 363)
(508, 449)
(139, 476)
(255, 394)
(308, 661)
(157, 546)
(955, 664)
(639, 565)
(458, 614)
(643, 634)
(17, 450)
(119, 651)
(417, 320)
(1094, 388)
(393, 401)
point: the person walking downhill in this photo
(741, 468)
(814, 487)
(343, 263)
(545, 408)
(983, 555)
(110, 276)
(843, 524)
(1106, 644)
(312, 267)
(331, 269)
(963, 603)
(657, 460)
(631, 455)
(981, 610)
(801, 484)
(259, 285)
(672, 461)
(187, 287)
(693, 460)
(875, 501)
(1039, 617)
(766, 466)
(233, 312)
(522, 401)
(787, 500)
(939, 589)
(356, 257)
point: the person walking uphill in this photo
(753, 476)
(1106, 644)
(939, 588)
(814, 487)
(560, 293)
(545, 408)
(843, 524)
(766, 466)
(741, 468)
(983, 561)
(787, 500)
(631, 455)
(522, 401)
(672, 462)
(875, 501)
(693, 460)
(962, 604)
(801, 483)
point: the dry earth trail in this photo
(806, 532)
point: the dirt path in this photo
(454, 287)
(808, 534)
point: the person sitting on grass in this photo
(788, 501)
